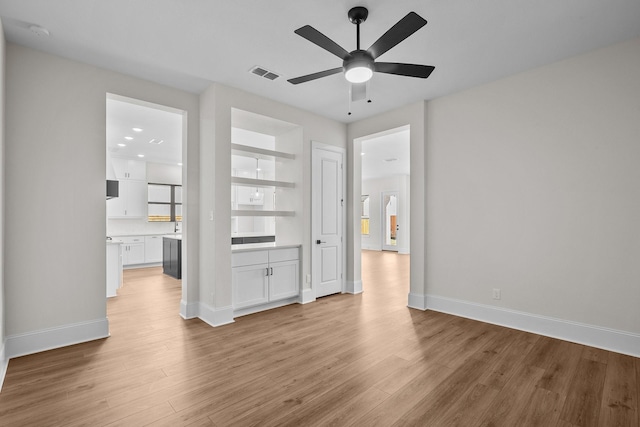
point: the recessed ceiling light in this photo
(128, 138)
(136, 129)
(179, 164)
(140, 155)
(122, 145)
(362, 154)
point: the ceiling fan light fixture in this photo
(358, 67)
(358, 73)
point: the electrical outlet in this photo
(496, 293)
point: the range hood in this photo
(112, 189)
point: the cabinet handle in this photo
(267, 271)
(272, 271)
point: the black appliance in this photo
(112, 189)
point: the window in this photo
(165, 202)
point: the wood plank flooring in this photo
(361, 360)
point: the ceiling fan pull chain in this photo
(350, 90)
(368, 91)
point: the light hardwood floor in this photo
(359, 360)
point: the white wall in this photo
(215, 162)
(533, 187)
(55, 205)
(374, 188)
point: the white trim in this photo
(263, 307)
(215, 316)
(417, 301)
(581, 333)
(4, 364)
(353, 287)
(188, 310)
(61, 336)
(404, 251)
(307, 296)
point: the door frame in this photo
(316, 147)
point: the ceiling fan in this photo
(359, 65)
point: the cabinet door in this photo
(153, 249)
(133, 253)
(283, 281)
(135, 199)
(250, 285)
(129, 169)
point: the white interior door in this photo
(327, 221)
(390, 226)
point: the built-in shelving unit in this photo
(263, 154)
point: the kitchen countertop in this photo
(173, 236)
(254, 246)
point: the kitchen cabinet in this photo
(131, 202)
(126, 169)
(172, 257)
(152, 249)
(132, 250)
(264, 276)
(114, 268)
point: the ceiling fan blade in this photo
(408, 25)
(314, 76)
(409, 70)
(316, 37)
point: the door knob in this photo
(319, 241)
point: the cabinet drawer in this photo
(278, 255)
(249, 258)
(131, 239)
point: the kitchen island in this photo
(172, 255)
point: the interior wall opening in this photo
(146, 203)
(385, 187)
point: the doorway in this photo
(389, 216)
(144, 155)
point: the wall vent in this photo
(262, 72)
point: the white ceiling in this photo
(189, 44)
(380, 152)
(156, 124)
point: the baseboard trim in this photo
(188, 310)
(263, 307)
(307, 296)
(62, 336)
(581, 333)
(417, 301)
(4, 364)
(353, 287)
(215, 316)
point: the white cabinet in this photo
(129, 169)
(264, 276)
(132, 250)
(152, 249)
(131, 201)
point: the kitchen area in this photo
(144, 206)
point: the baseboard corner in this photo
(215, 316)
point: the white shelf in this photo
(253, 182)
(260, 153)
(249, 212)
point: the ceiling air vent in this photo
(259, 71)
